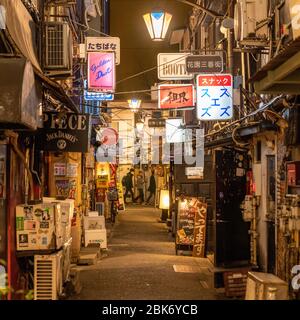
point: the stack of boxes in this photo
(94, 230)
(39, 227)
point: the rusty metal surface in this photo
(18, 94)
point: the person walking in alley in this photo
(140, 187)
(152, 187)
(129, 185)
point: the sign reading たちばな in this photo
(214, 97)
(105, 44)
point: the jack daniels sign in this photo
(69, 132)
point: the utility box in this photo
(265, 286)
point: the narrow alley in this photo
(142, 264)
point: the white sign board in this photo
(172, 66)
(214, 97)
(174, 131)
(194, 172)
(98, 44)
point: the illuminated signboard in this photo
(101, 71)
(96, 96)
(214, 97)
(175, 96)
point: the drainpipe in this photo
(230, 39)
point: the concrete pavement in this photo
(142, 264)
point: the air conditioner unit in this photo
(48, 283)
(248, 15)
(59, 48)
(265, 286)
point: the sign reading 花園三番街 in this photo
(101, 71)
(68, 132)
(104, 44)
(172, 66)
(214, 97)
(204, 64)
(175, 96)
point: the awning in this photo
(57, 91)
(282, 73)
(20, 26)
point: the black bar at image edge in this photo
(94, 310)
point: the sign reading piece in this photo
(68, 133)
(172, 66)
(175, 96)
(106, 44)
(214, 97)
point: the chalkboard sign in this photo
(191, 224)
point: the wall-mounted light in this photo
(134, 104)
(157, 23)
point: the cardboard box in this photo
(95, 236)
(67, 210)
(94, 223)
(39, 227)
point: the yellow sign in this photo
(121, 196)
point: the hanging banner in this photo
(69, 132)
(104, 44)
(175, 96)
(214, 97)
(101, 71)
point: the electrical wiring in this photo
(238, 143)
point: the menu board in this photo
(191, 224)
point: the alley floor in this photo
(141, 264)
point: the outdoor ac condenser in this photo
(48, 276)
(248, 15)
(59, 48)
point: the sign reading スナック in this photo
(68, 133)
(101, 71)
(214, 97)
(106, 44)
(172, 66)
(175, 96)
(204, 64)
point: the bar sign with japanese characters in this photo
(214, 97)
(104, 44)
(175, 96)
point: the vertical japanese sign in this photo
(214, 97)
(200, 231)
(101, 71)
(175, 96)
